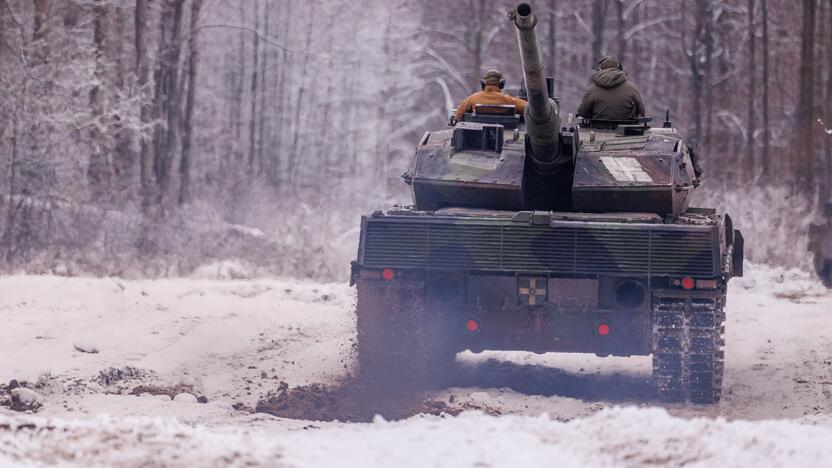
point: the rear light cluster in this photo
(687, 283)
(388, 274)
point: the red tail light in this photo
(472, 325)
(388, 274)
(604, 329)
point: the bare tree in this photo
(553, 39)
(41, 28)
(100, 169)
(143, 71)
(805, 110)
(254, 93)
(478, 32)
(765, 79)
(190, 101)
(172, 104)
(752, 88)
(826, 188)
(622, 24)
(599, 17)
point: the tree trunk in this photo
(255, 94)
(805, 101)
(143, 70)
(8, 235)
(41, 29)
(292, 168)
(187, 125)
(124, 154)
(599, 16)
(752, 87)
(279, 176)
(707, 67)
(99, 169)
(622, 42)
(826, 192)
(265, 129)
(173, 102)
(691, 51)
(766, 132)
(635, 65)
(553, 40)
(237, 115)
(478, 37)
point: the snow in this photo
(612, 437)
(86, 347)
(232, 341)
(184, 398)
(25, 399)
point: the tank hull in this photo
(608, 284)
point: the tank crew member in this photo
(492, 93)
(611, 96)
(820, 244)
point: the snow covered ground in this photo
(96, 351)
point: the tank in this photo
(530, 233)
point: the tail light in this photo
(688, 283)
(472, 326)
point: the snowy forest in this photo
(149, 137)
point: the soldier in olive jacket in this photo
(611, 96)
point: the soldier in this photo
(820, 244)
(611, 96)
(492, 93)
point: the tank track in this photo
(688, 341)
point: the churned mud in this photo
(351, 401)
(356, 400)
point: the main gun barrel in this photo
(542, 114)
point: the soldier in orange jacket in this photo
(492, 93)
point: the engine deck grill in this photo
(564, 247)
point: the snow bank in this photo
(613, 437)
(781, 282)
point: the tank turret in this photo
(495, 160)
(542, 114)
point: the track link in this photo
(688, 346)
